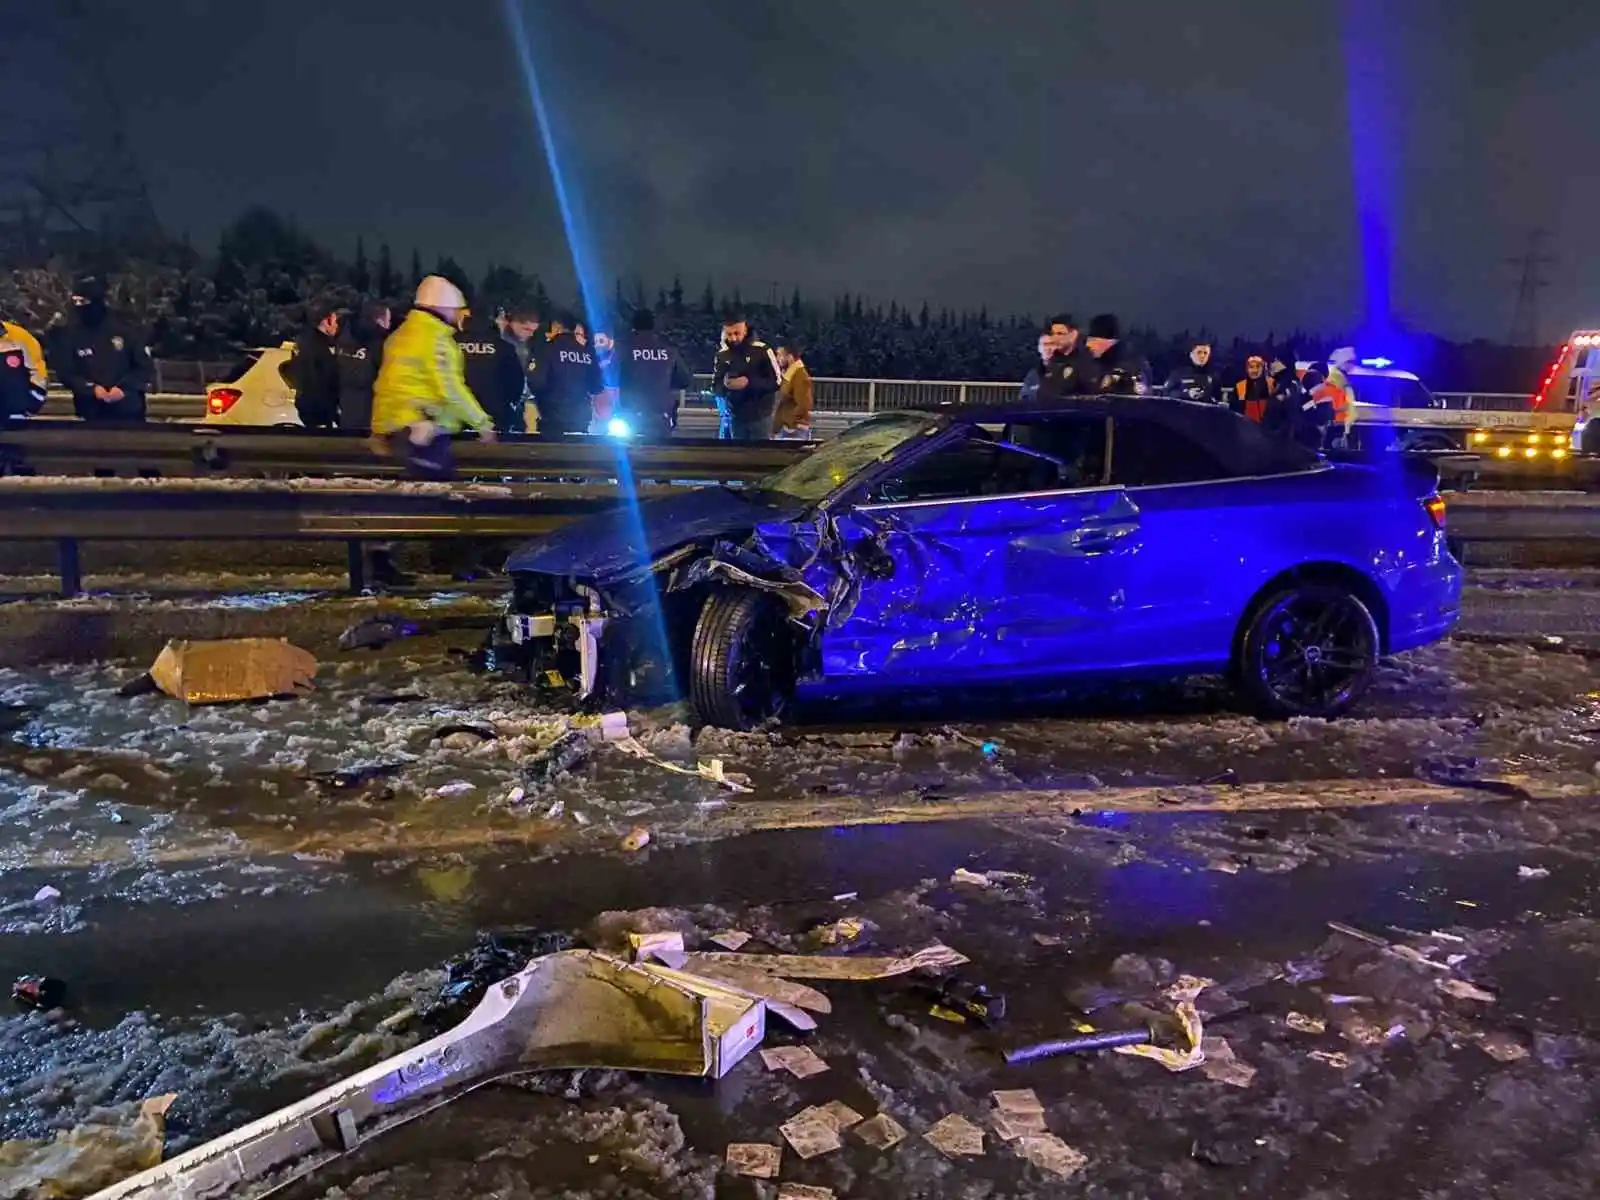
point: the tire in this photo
(1334, 633)
(741, 664)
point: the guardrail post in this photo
(872, 396)
(71, 570)
(961, 394)
(358, 566)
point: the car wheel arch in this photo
(1336, 574)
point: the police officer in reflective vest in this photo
(652, 378)
(564, 380)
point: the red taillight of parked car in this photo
(220, 400)
(1435, 507)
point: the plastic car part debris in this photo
(47, 897)
(711, 768)
(732, 939)
(1462, 990)
(497, 955)
(238, 669)
(962, 1001)
(109, 1146)
(810, 1134)
(1301, 1023)
(755, 1160)
(377, 631)
(1226, 778)
(560, 756)
(565, 1011)
(1533, 872)
(880, 1132)
(800, 1061)
(1183, 994)
(614, 727)
(971, 878)
(42, 992)
(955, 1137)
(354, 777)
(1050, 1153)
(1079, 1045)
(852, 967)
(1336, 1059)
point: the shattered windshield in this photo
(837, 461)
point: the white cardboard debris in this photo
(1533, 872)
(754, 1159)
(1222, 1066)
(810, 1134)
(881, 1132)
(1050, 1153)
(800, 1061)
(732, 939)
(666, 948)
(954, 1136)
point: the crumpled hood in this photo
(613, 543)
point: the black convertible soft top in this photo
(1241, 446)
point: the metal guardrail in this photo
(70, 512)
(188, 451)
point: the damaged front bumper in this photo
(549, 641)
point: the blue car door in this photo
(1017, 580)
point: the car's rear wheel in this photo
(741, 662)
(1309, 651)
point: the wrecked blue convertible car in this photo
(1123, 538)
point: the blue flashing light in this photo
(618, 428)
(1378, 364)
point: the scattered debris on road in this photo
(955, 1137)
(107, 1147)
(755, 1160)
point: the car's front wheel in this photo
(741, 663)
(1308, 651)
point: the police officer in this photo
(313, 371)
(745, 381)
(104, 363)
(1122, 372)
(651, 379)
(358, 354)
(565, 380)
(1194, 379)
(1065, 366)
(494, 372)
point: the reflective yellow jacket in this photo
(31, 350)
(423, 378)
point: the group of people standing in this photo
(521, 370)
(1309, 406)
(100, 358)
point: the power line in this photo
(1531, 281)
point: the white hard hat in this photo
(438, 292)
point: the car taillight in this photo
(1435, 507)
(220, 400)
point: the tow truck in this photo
(1395, 411)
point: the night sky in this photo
(1179, 163)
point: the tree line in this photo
(267, 275)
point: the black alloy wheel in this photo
(741, 664)
(1309, 651)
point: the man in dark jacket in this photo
(358, 354)
(651, 380)
(494, 372)
(1122, 372)
(1194, 379)
(104, 362)
(314, 371)
(745, 379)
(564, 380)
(1065, 367)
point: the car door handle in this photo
(1098, 540)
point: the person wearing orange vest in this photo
(1343, 398)
(1316, 410)
(1252, 395)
